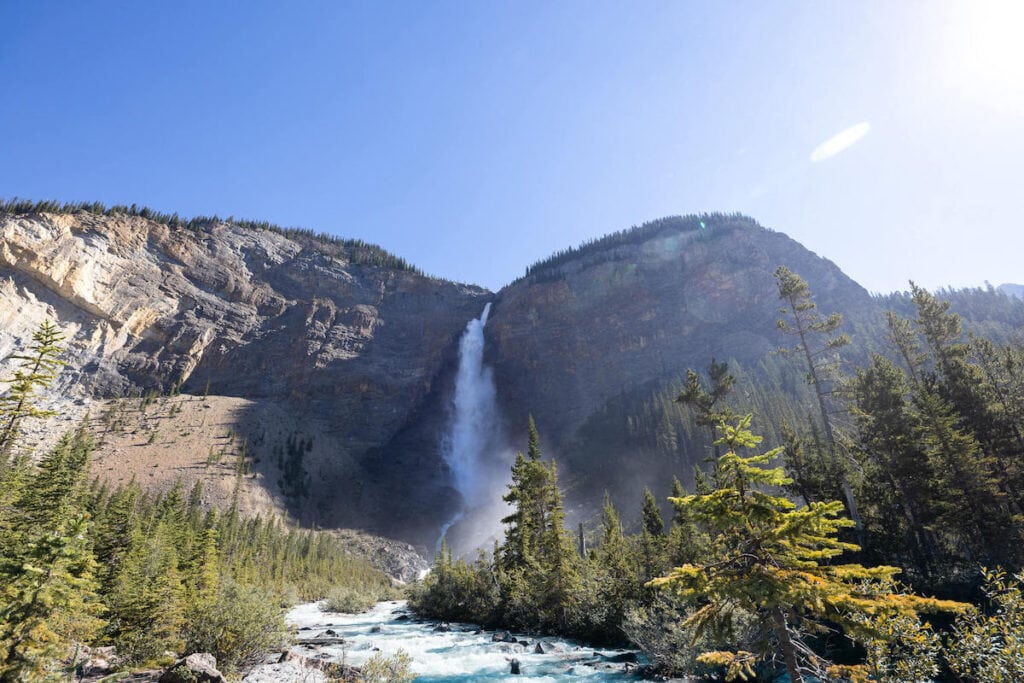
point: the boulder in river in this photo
(333, 670)
(199, 667)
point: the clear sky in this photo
(473, 138)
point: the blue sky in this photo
(473, 138)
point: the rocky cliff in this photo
(330, 375)
(344, 352)
(588, 336)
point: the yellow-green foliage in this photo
(772, 559)
(382, 669)
(989, 647)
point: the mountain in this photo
(585, 340)
(316, 375)
(1012, 290)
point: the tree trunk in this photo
(830, 438)
(786, 644)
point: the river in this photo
(463, 653)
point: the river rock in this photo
(323, 664)
(318, 642)
(621, 658)
(199, 667)
(279, 672)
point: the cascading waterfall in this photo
(468, 443)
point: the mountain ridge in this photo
(354, 353)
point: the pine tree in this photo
(707, 403)
(147, 609)
(614, 576)
(818, 342)
(772, 559)
(653, 542)
(538, 561)
(963, 387)
(686, 542)
(48, 602)
(964, 491)
(48, 597)
(889, 437)
(36, 370)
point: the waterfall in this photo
(468, 446)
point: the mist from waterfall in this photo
(471, 445)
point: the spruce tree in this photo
(889, 439)
(653, 542)
(686, 543)
(708, 402)
(973, 511)
(538, 561)
(773, 560)
(48, 598)
(36, 370)
(818, 341)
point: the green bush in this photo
(394, 669)
(349, 600)
(242, 625)
(989, 646)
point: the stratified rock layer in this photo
(247, 313)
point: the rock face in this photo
(245, 313)
(623, 314)
(361, 357)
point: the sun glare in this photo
(985, 57)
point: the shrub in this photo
(243, 624)
(990, 647)
(348, 599)
(394, 669)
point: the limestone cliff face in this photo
(238, 312)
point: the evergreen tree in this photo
(48, 602)
(36, 370)
(972, 510)
(707, 403)
(772, 559)
(538, 562)
(147, 603)
(818, 341)
(889, 439)
(686, 543)
(48, 598)
(653, 542)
